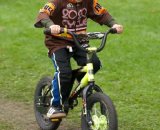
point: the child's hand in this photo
(118, 27)
(55, 29)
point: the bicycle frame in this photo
(87, 82)
(89, 76)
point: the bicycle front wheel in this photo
(102, 113)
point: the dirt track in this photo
(21, 117)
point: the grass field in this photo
(131, 61)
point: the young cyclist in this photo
(73, 15)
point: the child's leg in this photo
(80, 57)
(62, 85)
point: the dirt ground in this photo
(21, 117)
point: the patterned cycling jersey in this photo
(73, 16)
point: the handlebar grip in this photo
(113, 30)
(47, 31)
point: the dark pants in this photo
(62, 82)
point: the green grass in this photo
(131, 62)
(5, 126)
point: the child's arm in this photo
(43, 19)
(100, 15)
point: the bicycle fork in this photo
(88, 89)
(86, 85)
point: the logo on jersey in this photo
(70, 5)
(98, 9)
(48, 8)
(72, 18)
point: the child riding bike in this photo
(73, 15)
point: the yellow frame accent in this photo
(91, 49)
(90, 72)
(89, 76)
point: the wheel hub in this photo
(99, 123)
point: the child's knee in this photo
(96, 65)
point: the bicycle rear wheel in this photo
(41, 104)
(102, 113)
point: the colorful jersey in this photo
(72, 16)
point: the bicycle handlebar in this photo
(75, 39)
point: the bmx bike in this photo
(98, 111)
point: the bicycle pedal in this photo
(55, 120)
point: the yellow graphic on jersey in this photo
(98, 9)
(48, 8)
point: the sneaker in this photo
(56, 113)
